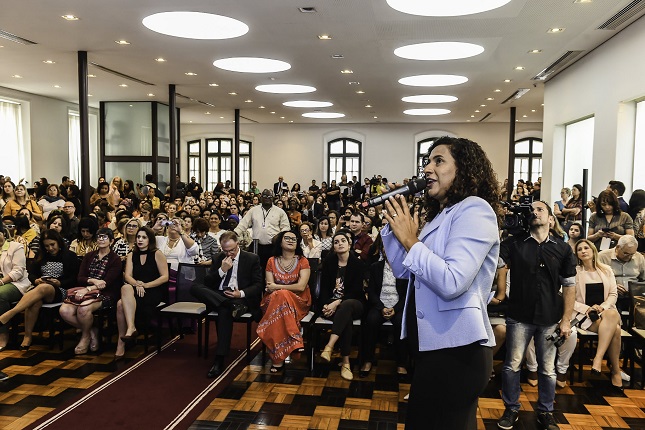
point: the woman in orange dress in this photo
(287, 299)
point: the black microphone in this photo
(412, 187)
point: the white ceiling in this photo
(365, 32)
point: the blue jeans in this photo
(518, 336)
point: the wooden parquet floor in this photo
(42, 380)
(297, 400)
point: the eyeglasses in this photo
(10, 225)
(305, 230)
(291, 239)
(102, 237)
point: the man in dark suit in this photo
(232, 287)
(280, 187)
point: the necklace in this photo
(287, 268)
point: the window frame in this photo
(219, 155)
(531, 156)
(344, 156)
(198, 157)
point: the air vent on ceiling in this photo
(484, 118)
(623, 15)
(121, 75)
(307, 9)
(516, 95)
(14, 38)
(195, 100)
(556, 65)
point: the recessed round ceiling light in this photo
(251, 65)
(307, 104)
(323, 115)
(429, 98)
(195, 25)
(285, 89)
(445, 8)
(438, 51)
(426, 111)
(433, 80)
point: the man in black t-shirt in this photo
(540, 266)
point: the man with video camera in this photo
(540, 266)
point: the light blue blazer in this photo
(453, 266)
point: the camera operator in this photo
(540, 265)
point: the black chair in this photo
(637, 328)
(185, 304)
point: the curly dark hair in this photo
(277, 243)
(474, 177)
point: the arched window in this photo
(219, 162)
(422, 152)
(528, 159)
(344, 156)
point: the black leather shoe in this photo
(217, 369)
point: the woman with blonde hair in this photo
(596, 295)
(21, 200)
(126, 242)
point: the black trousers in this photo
(264, 252)
(446, 385)
(371, 325)
(343, 319)
(215, 300)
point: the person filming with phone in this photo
(450, 264)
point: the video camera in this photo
(519, 220)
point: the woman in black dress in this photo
(146, 269)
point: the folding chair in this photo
(185, 305)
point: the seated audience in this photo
(385, 300)
(311, 248)
(342, 298)
(287, 299)
(102, 194)
(100, 270)
(596, 295)
(86, 240)
(126, 243)
(146, 270)
(609, 223)
(232, 286)
(51, 201)
(207, 245)
(14, 281)
(22, 200)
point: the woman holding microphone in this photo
(451, 264)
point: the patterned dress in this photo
(279, 328)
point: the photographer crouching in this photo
(539, 265)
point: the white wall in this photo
(48, 134)
(604, 84)
(298, 151)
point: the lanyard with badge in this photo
(264, 216)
